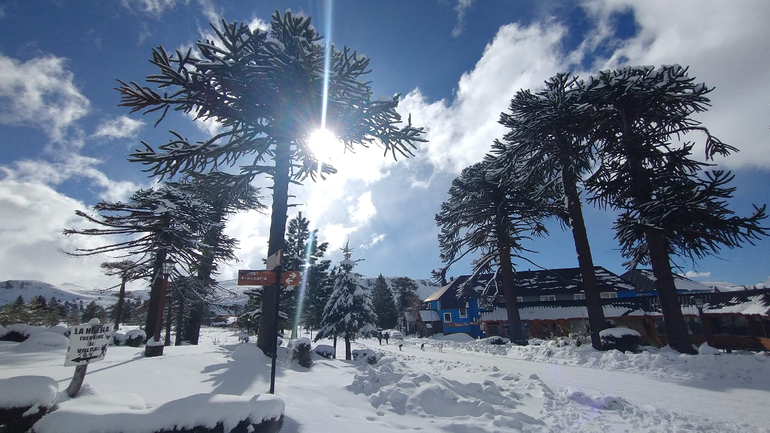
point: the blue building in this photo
(457, 306)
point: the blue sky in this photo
(64, 141)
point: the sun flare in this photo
(324, 145)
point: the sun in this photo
(324, 145)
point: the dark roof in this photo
(528, 283)
(644, 281)
(448, 295)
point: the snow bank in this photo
(24, 391)
(665, 362)
(459, 337)
(705, 349)
(42, 341)
(205, 410)
(618, 332)
(451, 405)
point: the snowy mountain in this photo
(28, 289)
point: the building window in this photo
(547, 297)
(608, 295)
(447, 317)
(463, 313)
(579, 296)
(519, 299)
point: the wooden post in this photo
(77, 380)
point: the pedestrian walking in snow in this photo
(379, 337)
(386, 336)
(400, 346)
(422, 347)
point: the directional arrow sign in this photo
(88, 343)
(266, 278)
(291, 278)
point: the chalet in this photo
(455, 307)
(457, 304)
(729, 320)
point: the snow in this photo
(23, 391)
(42, 341)
(705, 349)
(618, 332)
(455, 386)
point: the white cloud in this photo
(120, 127)
(34, 216)
(375, 239)
(40, 92)
(210, 10)
(252, 230)
(152, 7)
(257, 23)
(73, 166)
(461, 7)
(364, 209)
(336, 235)
(723, 44)
(693, 274)
(460, 132)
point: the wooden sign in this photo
(255, 278)
(266, 278)
(88, 343)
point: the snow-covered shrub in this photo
(496, 340)
(42, 341)
(622, 339)
(364, 354)
(705, 349)
(24, 400)
(135, 338)
(118, 339)
(324, 350)
(300, 351)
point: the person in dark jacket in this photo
(386, 336)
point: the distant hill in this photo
(28, 289)
(233, 294)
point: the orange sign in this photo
(255, 278)
(266, 278)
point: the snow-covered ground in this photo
(455, 386)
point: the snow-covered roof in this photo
(644, 280)
(556, 312)
(758, 304)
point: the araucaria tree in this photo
(549, 136)
(383, 305)
(348, 313)
(483, 215)
(269, 90)
(667, 207)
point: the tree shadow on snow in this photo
(244, 366)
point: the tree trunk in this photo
(211, 239)
(509, 283)
(169, 310)
(121, 300)
(179, 322)
(348, 356)
(267, 327)
(657, 246)
(596, 320)
(156, 288)
(676, 327)
(335, 346)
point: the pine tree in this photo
(646, 173)
(383, 305)
(93, 310)
(407, 300)
(128, 271)
(484, 215)
(270, 90)
(549, 136)
(348, 313)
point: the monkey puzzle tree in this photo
(647, 174)
(270, 91)
(549, 138)
(483, 215)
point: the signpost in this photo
(272, 275)
(88, 343)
